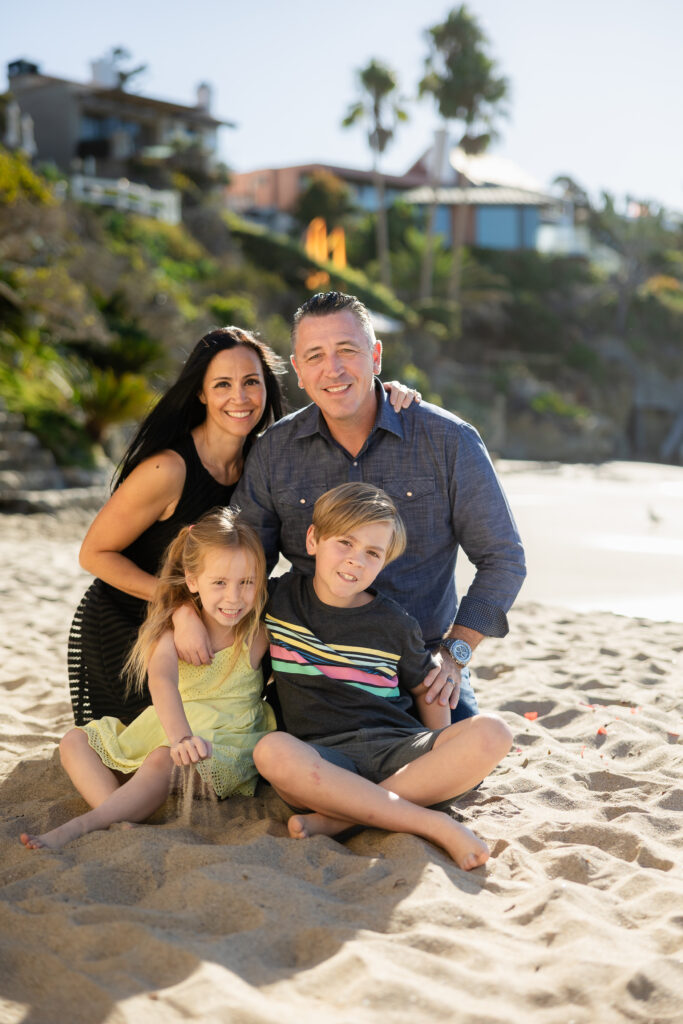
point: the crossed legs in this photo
(462, 756)
(134, 800)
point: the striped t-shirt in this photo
(342, 669)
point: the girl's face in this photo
(234, 391)
(227, 585)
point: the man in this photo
(432, 464)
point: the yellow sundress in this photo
(222, 706)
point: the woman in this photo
(185, 459)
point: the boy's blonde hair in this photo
(349, 506)
(184, 557)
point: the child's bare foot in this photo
(33, 842)
(302, 826)
(55, 839)
(464, 847)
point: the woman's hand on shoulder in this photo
(151, 492)
(400, 395)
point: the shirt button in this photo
(355, 463)
(409, 494)
(302, 501)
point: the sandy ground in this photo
(211, 913)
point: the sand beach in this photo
(212, 913)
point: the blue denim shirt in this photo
(436, 469)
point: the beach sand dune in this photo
(211, 913)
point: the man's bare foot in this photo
(56, 838)
(302, 826)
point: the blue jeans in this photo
(467, 705)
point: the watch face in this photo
(461, 651)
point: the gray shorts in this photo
(376, 753)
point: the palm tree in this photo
(382, 113)
(463, 81)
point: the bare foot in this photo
(464, 847)
(55, 839)
(33, 842)
(302, 826)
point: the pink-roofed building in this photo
(505, 207)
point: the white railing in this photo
(127, 195)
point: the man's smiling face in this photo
(335, 363)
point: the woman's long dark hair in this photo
(179, 409)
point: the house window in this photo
(94, 127)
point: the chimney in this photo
(104, 72)
(22, 67)
(204, 96)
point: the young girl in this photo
(210, 716)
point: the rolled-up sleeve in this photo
(486, 531)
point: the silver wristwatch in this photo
(459, 650)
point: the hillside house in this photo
(98, 129)
(505, 207)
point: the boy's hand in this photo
(190, 750)
(442, 683)
(190, 636)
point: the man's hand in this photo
(442, 683)
(191, 639)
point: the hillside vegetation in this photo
(99, 307)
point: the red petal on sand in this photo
(602, 731)
(531, 715)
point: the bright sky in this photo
(595, 85)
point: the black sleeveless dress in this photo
(107, 621)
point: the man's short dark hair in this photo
(325, 303)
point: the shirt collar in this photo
(312, 421)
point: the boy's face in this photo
(347, 565)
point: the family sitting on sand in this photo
(348, 661)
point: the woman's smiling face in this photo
(234, 390)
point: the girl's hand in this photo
(400, 395)
(190, 637)
(189, 750)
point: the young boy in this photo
(347, 662)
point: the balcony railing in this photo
(126, 195)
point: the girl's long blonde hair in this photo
(184, 557)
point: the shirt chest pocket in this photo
(296, 510)
(416, 500)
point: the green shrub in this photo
(105, 398)
(18, 181)
(551, 402)
(237, 310)
(585, 359)
(533, 326)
